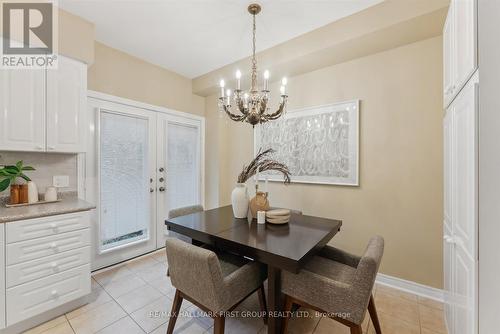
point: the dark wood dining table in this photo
(280, 247)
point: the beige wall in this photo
(117, 73)
(400, 192)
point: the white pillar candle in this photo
(266, 80)
(238, 77)
(222, 84)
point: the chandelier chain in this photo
(254, 60)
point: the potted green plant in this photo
(8, 177)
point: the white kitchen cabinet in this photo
(460, 210)
(44, 264)
(66, 106)
(22, 108)
(459, 47)
(44, 110)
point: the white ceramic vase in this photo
(239, 200)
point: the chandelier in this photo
(251, 106)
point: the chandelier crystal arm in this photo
(277, 114)
(234, 117)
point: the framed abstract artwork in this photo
(319, 144)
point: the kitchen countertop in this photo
(66, 205)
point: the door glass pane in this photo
(183, 165)
(124, 180)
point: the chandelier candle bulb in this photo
(238, 77)
(266, 80)
(228, 93)
(222, 84)
(282, 90)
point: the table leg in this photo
(275, 302)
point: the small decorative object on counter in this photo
(239, 200)
(50, 194)
(261, 217)
(23, 193)
(278, 216)
(14, 194)
(259, 203)
(32, 192)
(9, 176)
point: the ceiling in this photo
(194, 37)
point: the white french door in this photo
(140, 165)
(126, 167)
(179, 170)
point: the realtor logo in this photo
(29, 39)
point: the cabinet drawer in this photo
(42, 247)
(46, 226)
(27, 300)
(28, 271)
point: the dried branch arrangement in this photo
(262, 162)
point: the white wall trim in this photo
(142, 105)
(411, 287)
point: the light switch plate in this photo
(60, 181)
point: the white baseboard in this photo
(411, 287)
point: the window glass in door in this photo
(183, 165)
(124, 180)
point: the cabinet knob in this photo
(53, 226)
(162, 189)
(151, 190)
(51, 147)
(161, 169)
(54, 266)
(53, 246)
(54, 294)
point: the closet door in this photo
(22, 110)
(179, 170)
(126, 174)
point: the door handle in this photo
(162, 189)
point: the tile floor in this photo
(134, 298)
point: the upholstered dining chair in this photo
(186, 210)
(337, 284)
(216, 283)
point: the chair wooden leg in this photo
(356, 329)
(176, 307)
(287, 312)
(219, 323)
(262, 302)
(374, 316)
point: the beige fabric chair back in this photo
(366, 271)
(185, 211)
(196, 272)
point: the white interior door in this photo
(126, 164)
(179, 172)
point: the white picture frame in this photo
(319, 144)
